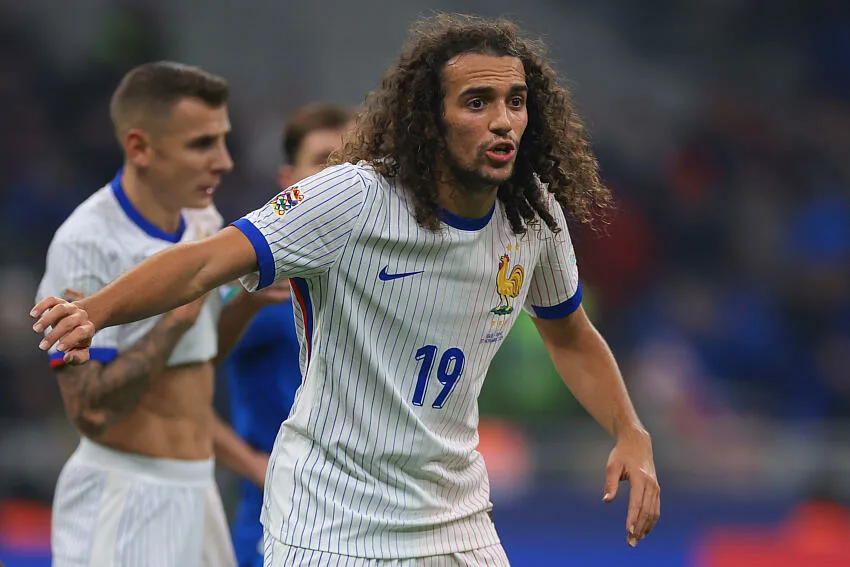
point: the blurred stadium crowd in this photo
(722, 280)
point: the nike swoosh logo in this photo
(385, 277)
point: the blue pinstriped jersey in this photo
(397, 325)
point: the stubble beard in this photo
(470, 181)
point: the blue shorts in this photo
(247, 531)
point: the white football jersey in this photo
(104, 237)
(398, 326)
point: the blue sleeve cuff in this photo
(97, 354)
(265, 259)
(562, 309)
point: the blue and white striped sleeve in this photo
(302, 231)
(75, 268)
(555, 289)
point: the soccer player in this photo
(445, 215)
(263, 371)
(139, 489)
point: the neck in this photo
(143, 198)
(462, 202)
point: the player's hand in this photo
(631, 460)
(70, 328)
(186, 315)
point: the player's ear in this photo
(285, 175)
(137, 147)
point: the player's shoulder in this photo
(361, 172)
(552, 205)
(91, 222)
(543, 188)
(359, 182)
(85, 242)
(538, 229)
(370, 173)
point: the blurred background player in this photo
(140, 489)
(263, 369)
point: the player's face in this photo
(485, 116)
(312, 155)
(189, 154)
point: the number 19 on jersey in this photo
(449, 371)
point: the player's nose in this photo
(224, 163)
(500, 120)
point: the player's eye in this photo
(202, 143)
(475, 104)
(518, 101)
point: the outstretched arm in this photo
(587, 366)
(269, 241)
(171, 278)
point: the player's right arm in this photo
(174, 277)
(299, 233)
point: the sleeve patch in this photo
(287, 200)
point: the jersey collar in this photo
(465, 223)
(137, 218)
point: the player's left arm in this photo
(234, 453)
(587, 366)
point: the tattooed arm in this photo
(97, 395)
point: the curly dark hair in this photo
(400, 130)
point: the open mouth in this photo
(503, 149)
(502, 152)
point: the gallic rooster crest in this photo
(507, 285)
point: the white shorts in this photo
(116, 509)
(278, 554)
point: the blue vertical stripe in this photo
(302, 295)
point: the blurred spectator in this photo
(813, 533)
